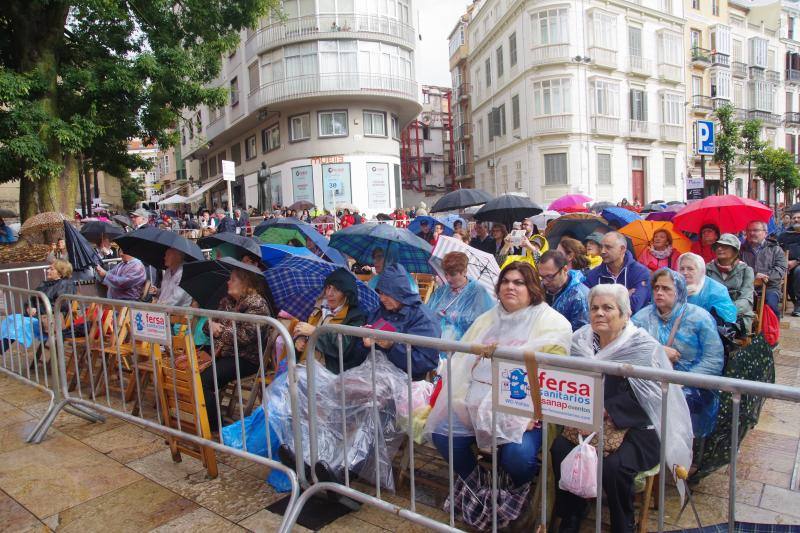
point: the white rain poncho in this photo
(538, 328)
(636, 347)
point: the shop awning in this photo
(174, 199)
(198, 194)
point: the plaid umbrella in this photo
(296, 283)
(401, 245)
(272, 254)
(309, 233)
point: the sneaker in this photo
(796, 312)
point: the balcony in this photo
(701, 57)
(740, 114)
(702, 104)
(672, 73)
(329, 26)
(552, 124)
(603, 57)
(639, 129)
(463, 132)
(314, 85)
(640, 66)
(672, 134)
(791, 118)
(739, 69)
(773, 76)
(757, 73)
(463, 91)
(216, 126)
(792, 76)
(766, 118)
(605, 125)
(551, 53)
(717, 102)
(722, 60)
(464, 171)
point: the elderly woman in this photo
(736, 276)
(245, 295)
(521, 319)
(631, 404)
(660, 253)
(690, 339)
(705, 292)
(704, 245)
(459, 301)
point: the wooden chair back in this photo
(761, 296)
(364, 277)
(785, 284)
(426, 284)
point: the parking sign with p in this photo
(704, 137)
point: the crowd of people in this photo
(592, 298)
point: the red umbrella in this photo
(730, 213)
(577, 208)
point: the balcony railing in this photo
(300, 27)
(717, 102)
(739, 69)
(740, 114)
(552, 124)
(603, 57)
(605, 125)
(773, 76)
(701, 56)
(701, 103)
(639, 65)
(551, 53)
(757, 73)
(321, 84)
(216, 126)
(670, 133)
(792, 75)
(640, 129)
(792, 117)
(463, 91)
(464, 170)
(767, 118)
(464, 131)
(718, 59)
(671, 73)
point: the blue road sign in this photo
(704, 141)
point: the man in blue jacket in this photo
(620, 267)
(564, 288)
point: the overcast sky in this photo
(436, 19)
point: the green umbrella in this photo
(276, 235)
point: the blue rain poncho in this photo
(391, 259)
(698, 343)
(23, 329)
(457, 311)
(572, 301)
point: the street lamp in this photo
(264, 194)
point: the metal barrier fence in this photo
(125, 359)
(517, 358)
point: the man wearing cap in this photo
(737, 277)
(140, 218)
(125, 280)
(619, 266)
(225, 224)
(767, 260)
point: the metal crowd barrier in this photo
(595, 369)
(112, 363)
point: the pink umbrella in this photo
(568, 200)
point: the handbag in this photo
(472, 499)
(612, 436)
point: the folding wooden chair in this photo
(252, 385)
(785, 285)
(426, 285)
(758, 324)
(180, 395)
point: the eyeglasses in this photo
(549, 277)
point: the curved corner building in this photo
(317, 103)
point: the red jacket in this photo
(705, 252)
(653, 263)
(347, 221)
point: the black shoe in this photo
(326, 473)
(287, 457)
(796, 312)
(570, 524)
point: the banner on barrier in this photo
(569, 398)
(150, 326)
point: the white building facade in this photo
(579, 97)
(317, 103)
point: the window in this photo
(736, 54)
(555, 169)
(480, 132)
(550, 27)
(497, 122)
(604, 30)
(715, 7)
(198, 120)
(426, 133)
(236, 154)
(669, 171)
(695, 39)
(696, 4)
(250, 150)
(183, 135)
(488, 71)
(271, 138)
(512, 49)
(635, 41)
(252, 75)
(301, 59)
(165, 164)
(672, 109)
(515, 112)
(299, 127)
(395, 127)
(605, 98)
(604, 169)
(426, 166)
(234, 91)
(375, 123)
(332, 123)
(638, 105)
(551, 97)
(499, 53)
(669, 48)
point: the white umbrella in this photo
(482, 267)
(543, 218)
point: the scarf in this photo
(726, 269)
(663, 254)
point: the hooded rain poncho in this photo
(457, 311)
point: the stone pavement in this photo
(117, 477)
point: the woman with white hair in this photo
(705, 292)
(632, 411)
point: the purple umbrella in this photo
(569, 200)
(665, 215)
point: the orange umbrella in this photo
(641, 235)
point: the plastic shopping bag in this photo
(579, 470)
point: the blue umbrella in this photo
(450, 220)
(272, 254)
(416, 225)
(309, 231)
(401, 245)
(296, 283)
(619, 216)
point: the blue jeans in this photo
(773, 301)
(519, 460)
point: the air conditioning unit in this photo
(490, 163)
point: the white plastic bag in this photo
(579, 470)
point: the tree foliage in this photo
(79, 78)
(728, 141)
(777, 167)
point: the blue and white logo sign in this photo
(704, 130)
(150, 326)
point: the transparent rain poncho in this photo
(360, 406)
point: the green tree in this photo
(727, 143)
(78, 78)
(752, 148)
(777, 168)
(132, 193)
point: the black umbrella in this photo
(675, 202)
(460, 199)
(577, 228)
(794, 208)
(206, 281)
(123, 221)
(597, 207)
(81, 253)
(94, 231)
(242, 245)
(149, 244)
(508, 209)
(652, 207)
(382, 217)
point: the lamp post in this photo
(266, 194)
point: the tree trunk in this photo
(749, 178)
(81, 188)
(27, 198)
